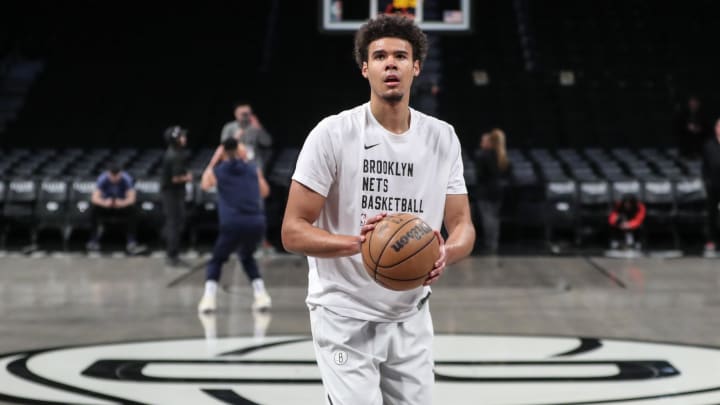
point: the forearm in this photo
(124, 202)
(301, 237)
(207, 181)
(215, 158)
(460, 242)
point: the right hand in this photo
(370, 225)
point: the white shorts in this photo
(374, 363)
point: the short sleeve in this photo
(456, 181)
(316, 166)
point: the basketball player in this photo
(240, 186)
(374, 345)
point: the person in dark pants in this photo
(175, 174)
(711, 176)
(240, 189)
(690, 128)
(491, 163)
(114, 200)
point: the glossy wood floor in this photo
(62, 300)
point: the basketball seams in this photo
(370, 253)
(410, 256)
(390, 239)
(421, 255)
(404, 279)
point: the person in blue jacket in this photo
(241, 188)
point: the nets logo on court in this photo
(470, 369)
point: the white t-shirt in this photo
(362, 170)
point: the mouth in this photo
(392, 80)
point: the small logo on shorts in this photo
(340, 357)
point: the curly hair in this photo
(390, 26)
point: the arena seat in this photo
(595, 201)
(51, 209)
(659, 199)
(19, 208)
(149, 204)
(78, 209)
(623, 187)
(561, 209)
(283, 167)
(691, 213)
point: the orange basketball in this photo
(400, 252)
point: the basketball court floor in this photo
(520, 330)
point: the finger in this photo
(431, 280)
(377, 218)
(440, 263)
(439, 237)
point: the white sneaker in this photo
(262, 301)
(261, 321)
(209, 324)
(207, 304)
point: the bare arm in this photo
(208, 179)
(300, 236)
(215, 158)
(461, 235)
(461, 232)
(97, 199)
(130, 198)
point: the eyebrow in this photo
(381, 51)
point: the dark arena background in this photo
(593, 98)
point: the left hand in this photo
(440, 264)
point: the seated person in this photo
(114, 200)
(626, 217)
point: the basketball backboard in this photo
(440, 15)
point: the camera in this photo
(244, 120)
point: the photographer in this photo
(247, 130)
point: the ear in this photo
(364, 70)
(416, 68)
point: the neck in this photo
(395, 117)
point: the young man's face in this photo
(390, 68)
(717, 129)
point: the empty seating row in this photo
(75, 162)
(597, 164)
